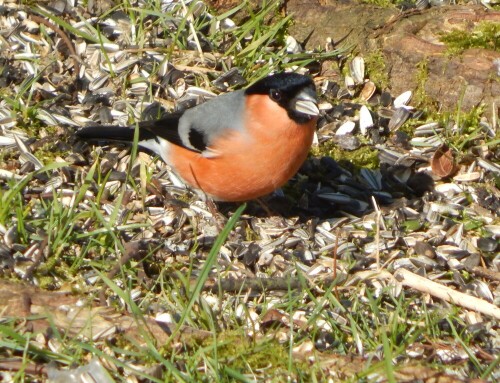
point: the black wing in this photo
(167, 127)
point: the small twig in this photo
(407, 278)
(21, 365)
(386, 28)
(394, 255)
(257, 285)
(64, 37)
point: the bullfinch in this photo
(235, 147)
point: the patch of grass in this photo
(485, 35)
(381, 327)
(465, 128)
(258, 46)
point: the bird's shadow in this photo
(324, 188)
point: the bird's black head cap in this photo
(283, 88)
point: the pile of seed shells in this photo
(396, 214)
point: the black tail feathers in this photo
(111, 133)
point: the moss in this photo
(243, 354)
(420, 97)
(47, 283)
(364, 157)
(472, 223)
(186, 197)
(47, 153)
(384, 3)
(496, 182)
(421, 77)
(486, 35)
(250, 234)
(50, 149)
(376, 69)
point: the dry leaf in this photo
(443, 162)
(272, 317)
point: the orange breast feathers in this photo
(248, 164)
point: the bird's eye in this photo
(275, 94)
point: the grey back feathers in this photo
(199, 126)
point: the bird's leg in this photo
(266, 208)
(219, 223)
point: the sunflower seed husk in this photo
(398, 118)
(357, 69)
(402, 100)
